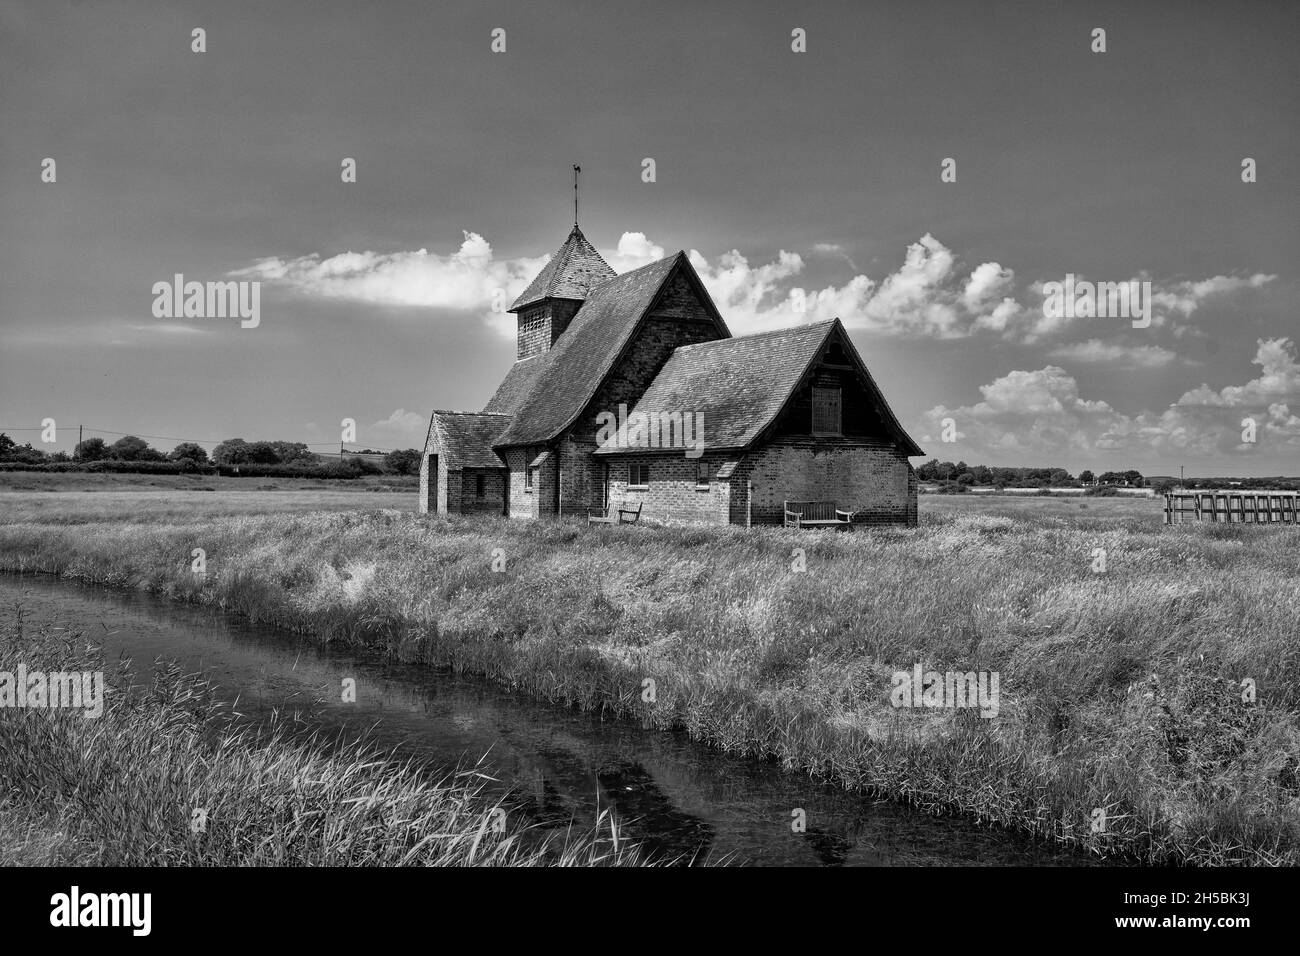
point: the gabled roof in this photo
(741, 384)
(570, 274)
(571, 372)
(464, 439)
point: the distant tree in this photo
(1133, 478)
(189, 451)
(25, 453)
(966, 478)
(263, 453)
(60, 456)
(92, 449)
(404, 461)
(1004, 476)
(232, 451)
(6, 443)
(289, 452)
(945, 471)
(983, 474)
(131, 448)
(1086, 476)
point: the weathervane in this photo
(576, 169)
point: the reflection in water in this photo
(560, 767)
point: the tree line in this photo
(233, 453)
(985, 475)
(959, 476)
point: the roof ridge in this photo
(785, 329)
(452, 411)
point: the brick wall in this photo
(521, 505)
(492, 501)
(875, 479)
(422, 504)
(449, 492)
(672, 496)
(541, 500)
(544, 486)
(678, 318)
(581, 476)
(540, 325)
(433, 484)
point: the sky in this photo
(803, 184)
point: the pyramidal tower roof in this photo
(570, 274)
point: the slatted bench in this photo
(816, 514)
(622, 514)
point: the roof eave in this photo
(519, 307)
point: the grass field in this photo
(1119, 690)
(81, 498)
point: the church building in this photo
(630, 390)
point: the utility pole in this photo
(1180, 476)
(74, 451)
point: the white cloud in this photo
(401, 428)
(1041, 412)
(748, 297)
(1186, 297)
(834, 249)
(924, 297)
(1113, 353)
(927, 296)
(1280, 380)
(988, 281)
(634, 251)
(465, 280)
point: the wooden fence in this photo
(1253, 507)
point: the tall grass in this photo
(1119, 691)
(124, 789)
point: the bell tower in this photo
(545, 309)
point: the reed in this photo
(167, 776)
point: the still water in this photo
(674, 797)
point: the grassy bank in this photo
(123, 789)
(1118, 691)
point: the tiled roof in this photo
(586, 352)
(518, 382)
(741, 384)
(570, 274)
(464, 439)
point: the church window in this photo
(826, 410)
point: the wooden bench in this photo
(816, 514)
(623, 514)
